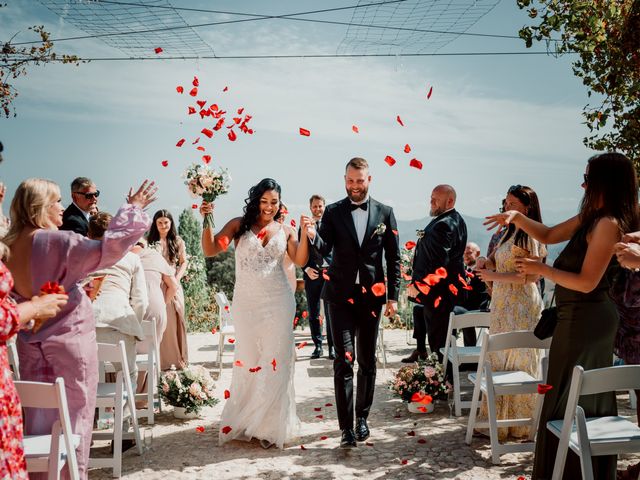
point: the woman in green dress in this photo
(587, 317)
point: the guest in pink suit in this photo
(65, 346)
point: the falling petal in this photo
(350, 300)
(390, 160)
(200, 429)
(239, 363)
(422, 440)
(227, 394)
(407, 148)
(225, 89)
(165, 163)
(226, 429)
(194, 91)
(430, 92)
(201, 148)
(415, 163)
(232, 340)
(192, 110)
(195, 82)
(180, 142)
(355, 129)
(304, 132)
(180, 89)
(453, 289)
(206, 159)
(544, 388)
(194, 206)
(305, 314)
(323, 437)
(399, 120)
(207, 132)
(293, 223)
(214, 330)
(411, 433)
(301, 345)
(302, 447)
(378, 289)
(274, 364)
(410, 245)
(348, 356)
(436, 303)
(158, 49)
(441, 272)
(232, 135)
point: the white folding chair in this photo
(116, 395)
(149, 362)
(595, 436)
(50, 453)
(459, 355)
(381, 351)
(14, 361)
(492, 384)
(225, 323)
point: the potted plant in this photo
(420, 384)
(187, 390)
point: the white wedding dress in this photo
(262, 397)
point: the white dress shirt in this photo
(360, 218)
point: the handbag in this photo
(548, 321)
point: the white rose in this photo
(195, 390)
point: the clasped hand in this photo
(628, 254)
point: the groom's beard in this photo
(357, 197)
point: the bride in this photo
(262, 398)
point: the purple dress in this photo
(66, 344)
(626, 295)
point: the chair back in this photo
(51, 395)
(610, 379)
(224, 309)
(517, 339)
(466, 320)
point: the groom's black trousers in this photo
(355, 330)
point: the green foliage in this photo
(221, 272)
(200, 309)
(606, 36)
(15, 59)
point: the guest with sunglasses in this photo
(84, 196)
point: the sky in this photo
(492, 121)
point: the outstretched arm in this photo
(213, 244)
(547, 235)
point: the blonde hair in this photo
(29, 206)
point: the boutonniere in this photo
(419, 234)
(380, 229)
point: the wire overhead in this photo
(138, 26)
(417, 26)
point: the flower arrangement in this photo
(424, 378)
(208, 184)
(406, 263)
(191, 388)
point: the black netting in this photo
(413, 26)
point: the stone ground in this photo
(436, 451)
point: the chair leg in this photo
(54, 456)
(118, 421)
(493, 419)
(473, 413)
(455, 367)
(220, 347)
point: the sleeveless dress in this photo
(262, 396)
(584, 335)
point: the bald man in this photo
(442, 245)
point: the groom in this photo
(359, 231)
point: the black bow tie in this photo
(355, 206)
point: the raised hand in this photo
(144, 196)
(306, 226)
(206, 208)
(500, 219)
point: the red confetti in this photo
(207, 132)
(436, 303)
(350, 300)
(226, 308)
(324, 437)
(180, 89)
(192, 110)
(304, 132)
(544, 388)
(51, 287)
(225, 89)
(194, 91)
(415, 163)
(232, 340)
(407, 148)
(432, 279)
(355, 129)
(274, 364)
(261, 234)
(227, 394)
(395, 232)
(390, 160)
(201, 148)
(295, 322)
(158, 49)
(223, 242)
(165, 163)
(305, 314)
(441, 272)
(430, 92)
(411, 433)
(348, 356)
(453, 289)
(195, 82)
(293, 223)
(180, 142)
(368, 444)
(423, 287)
(317, 409)
(206, 159)
(255, 369)
(226, 429)
(328, 404)
(320, 417)
(214, 330)
(422, 409)
(201, 103)
(378, 289)
(410, 245)
(240, 110)
(302, 447)
(422, 440)
(232, 135)
(219, 124)
(404, 461)
(399, 120)
(200, 429)
(301, 345)
(462, 280)
(239, 363)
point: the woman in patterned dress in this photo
(516, 304)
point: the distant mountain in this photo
(476, 232)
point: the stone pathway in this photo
(402, 445)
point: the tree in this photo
(15, 59)
(200, 310)
(606, 36)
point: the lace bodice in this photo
(255, 262)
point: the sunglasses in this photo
(89, 195)
(514, 188)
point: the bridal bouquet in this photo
(208, 184)
(191, 388)
(423, 378)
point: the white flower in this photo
(195, 389)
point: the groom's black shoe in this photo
(332, 354)
(348, 439)
(317, 353)
(362, 429)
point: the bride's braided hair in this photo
(252, 204)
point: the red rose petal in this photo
(432, 279)
(453, 289)
(206, 159)
(239, 363)
(317, 409)
(194, 206)
(399, 120)
(436, 303)
(378, 289)
(407, 148)
(350, 300)
(320, 417)
(200, 429)
(410, 245)
(226, 429)
(256, 369)
(158, 49)
(274, 364)
(293, 223)
(261, 234)
(328, 404)
(544, 388)
(201, 103)
(348, 356)
(214, 330)
(207, 132)
(232, 135)
(304, 132)
(390, 160)
(195, 82)
(423, 287)
(323, 437)
(194, 91)
(180, 142)
(415, 163)
(302, 447)
(227, 394)
(305, 314)
(219, 124)
(295, 322)
(430, 92)
(301, 345)
(441, 272)
(404, 461)
(201, 148)
(395, 232)
(422, 440)
(165, 163)
(368, 444)
(411, 433)
(192, 110)
(325, 276)
(462, 280)
(180, 89)
(232, 340)
(225, 89)
(355, 129)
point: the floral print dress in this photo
(12, 464)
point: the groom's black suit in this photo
(354, 309)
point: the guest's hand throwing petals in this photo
(501, 219)
(144, 196)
